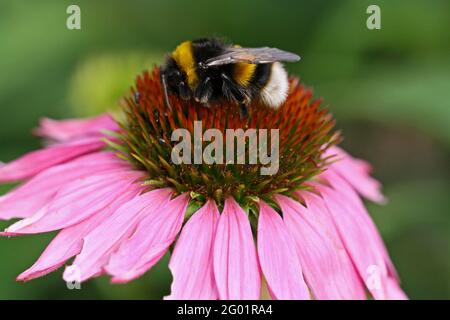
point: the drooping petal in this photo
(77, 201)
(192, 260)
(27, 199)
(101, 242)
(341, 185)
(357, 173)
(326, 265)
(279, 261)
(153, 236)
(394, 292)
(34, 162)
(236, 268)
(357, 206)
(69, 241)
(64, 130)
(359, 239)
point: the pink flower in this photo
(318, 242)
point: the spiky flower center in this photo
(146, 141)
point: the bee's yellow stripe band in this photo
(184, 58)
(243, 73)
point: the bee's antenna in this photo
(166, 95)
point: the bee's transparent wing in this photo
(251, 55)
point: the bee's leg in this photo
(204, 91)
(243, 111)
(164, 84)
(233, 92)
(184, 91)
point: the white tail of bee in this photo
(275, 91)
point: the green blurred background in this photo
(388, 88)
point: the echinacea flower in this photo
(120, 203)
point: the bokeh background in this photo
(388, 88)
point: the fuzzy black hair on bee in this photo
(208, 70)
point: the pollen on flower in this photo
(305, 132)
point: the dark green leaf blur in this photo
(389, 90)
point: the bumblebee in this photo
(208, 70)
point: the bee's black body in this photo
(208, 70)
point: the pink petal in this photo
(191, 262)
(100, 243)
(326, 265)
(394, 291)
(77, 201)
(338, 183)
(279, 261)
(357, 173)
(69, 241)
(64, 130)
(153, 236)
(27, 199)
(36, 161)
(359, 237)
(236, 267)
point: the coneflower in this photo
(120, 202)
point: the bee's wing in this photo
(252, 55)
